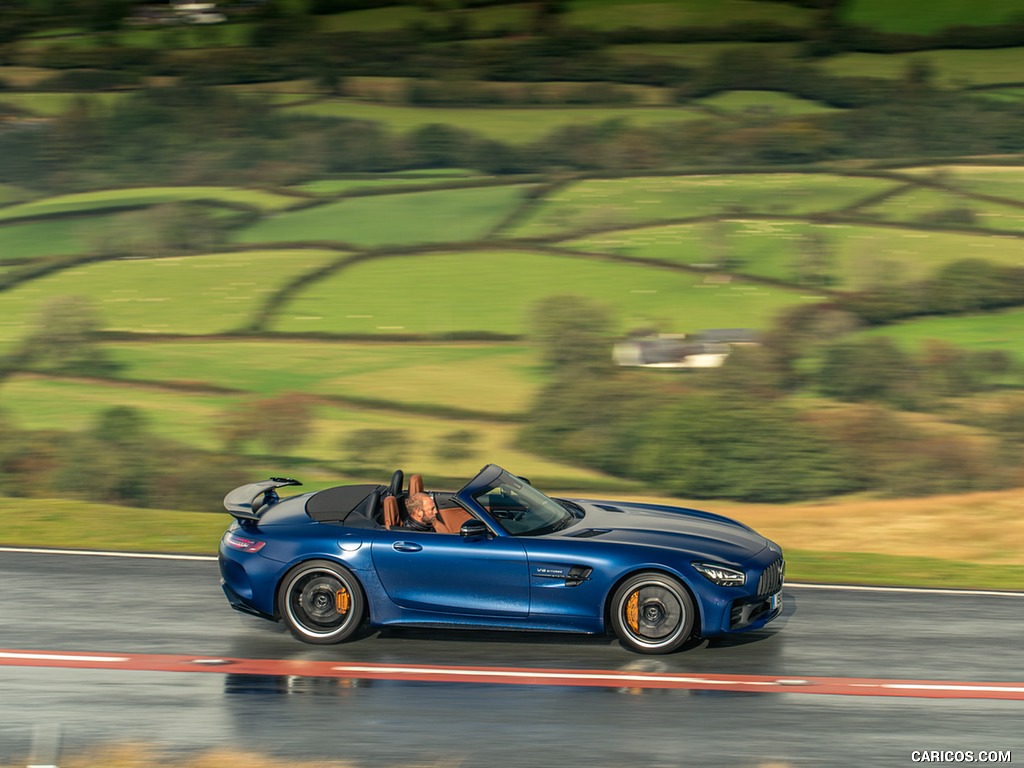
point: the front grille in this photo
(772, 578)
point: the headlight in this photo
(720, 575)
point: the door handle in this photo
(406, 546)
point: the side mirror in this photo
(474, 529)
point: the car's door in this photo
(451, 574)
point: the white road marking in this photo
(61, 657)
(908, 590)
(99, 553)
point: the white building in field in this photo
(707, 349)
(196, 12)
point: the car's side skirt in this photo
(530, 624)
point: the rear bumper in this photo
(236, 602)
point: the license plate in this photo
(776, 601)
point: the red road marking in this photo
(850, 686)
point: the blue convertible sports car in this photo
(502, 555)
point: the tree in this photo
(964, 286)
(572, 333)
(65, 339)
(719, 446)
(873, 369)
(115, 461)
(279, 424)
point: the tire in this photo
(321, 602)
(652, 613)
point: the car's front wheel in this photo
(321, 602)
(652, 613)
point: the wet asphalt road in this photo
(91, 604)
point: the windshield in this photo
(520, 508)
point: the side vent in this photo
(577, 575)
(591, 533)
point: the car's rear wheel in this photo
(321, 602)
(652, 613)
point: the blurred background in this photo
(758, 250)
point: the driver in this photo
(422, 513)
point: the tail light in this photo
(242, 544)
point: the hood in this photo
(701, 534)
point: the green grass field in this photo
(929, 205)
(1009, 95)
(439, 216)
(996, 180)
(616, 14)
(53, 104)
(914, 17)
(40, 403)
(333, 187)
(196, 420)
(763, 104)
(517, 125)
(378, 19)
(623, 202)
(135, 196)
(890, 570)
(192, 295)
(447, 375)
(855, 256)
(949, 68)
(55, 237)
(9, 194)
(493, 291)
(991, 331)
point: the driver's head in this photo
(421, 508)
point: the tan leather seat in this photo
(450, 519)
(392, 519)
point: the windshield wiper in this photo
(572, 508)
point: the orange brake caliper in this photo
(343, 600)
(633, 612)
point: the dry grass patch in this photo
(983, 527)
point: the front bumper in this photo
(750, 613)
(738, 610)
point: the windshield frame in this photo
(526, 511)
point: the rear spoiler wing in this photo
(246, 501)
